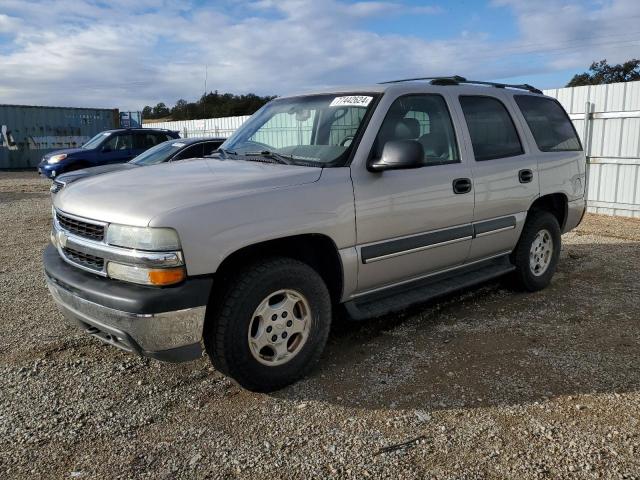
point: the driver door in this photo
(413, 222)
(117, 149)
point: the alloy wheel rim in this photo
(279, 327)
(541, 253)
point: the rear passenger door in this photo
(505, 174)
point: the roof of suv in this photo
(431, 83)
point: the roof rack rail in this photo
(454, 78)
(457, 79)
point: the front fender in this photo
(211, 232)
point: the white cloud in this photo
(128, 54)
(8, 24)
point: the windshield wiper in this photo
(225, 152)
(278, 157)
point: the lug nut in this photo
(289, 323)
(269, 329)
(274, 317)
(284, 335)
(284, 314)
(274, 338)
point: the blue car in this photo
(111, 146)
(169, 151)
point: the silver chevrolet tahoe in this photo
(374, 198)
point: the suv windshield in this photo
(313, 129)
(95, 141)
(159, 153)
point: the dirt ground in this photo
(489, 383)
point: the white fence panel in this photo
(221, 127)
(612, 144)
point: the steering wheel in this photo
(346, 139)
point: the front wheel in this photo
(538, 250)
(271, 325)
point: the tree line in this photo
(211, 105)
(215, 104)
(601, 72)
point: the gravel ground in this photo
(484, 384)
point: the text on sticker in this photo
(351, 101)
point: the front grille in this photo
(56, 187)
(84, 259)
(80, 227)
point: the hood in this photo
(135, 196)
(68, 151)
(91, 171)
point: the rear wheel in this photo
(536, 255)
(270, 326)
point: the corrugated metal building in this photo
(28, 132)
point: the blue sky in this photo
(127, 54)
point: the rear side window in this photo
(491, 128)
(549, 124)
(146, 140)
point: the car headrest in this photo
(407, 128)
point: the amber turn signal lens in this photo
(166, 276)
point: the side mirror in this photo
(399, 154)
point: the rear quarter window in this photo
(549, 124)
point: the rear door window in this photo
(549, 123)
(491, 128)
(147, 140)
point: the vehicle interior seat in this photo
(435, 142)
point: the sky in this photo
(128, 54)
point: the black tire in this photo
(537, 221)
(226, 329)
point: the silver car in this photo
(375, 197)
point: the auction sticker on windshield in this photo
(351, 101)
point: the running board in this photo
(420, 291)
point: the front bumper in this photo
(162, 323)
(50, 170)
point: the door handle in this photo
(462, 185)
(525, 176)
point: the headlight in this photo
(143, 238)
(146, 276)
(57, 158)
